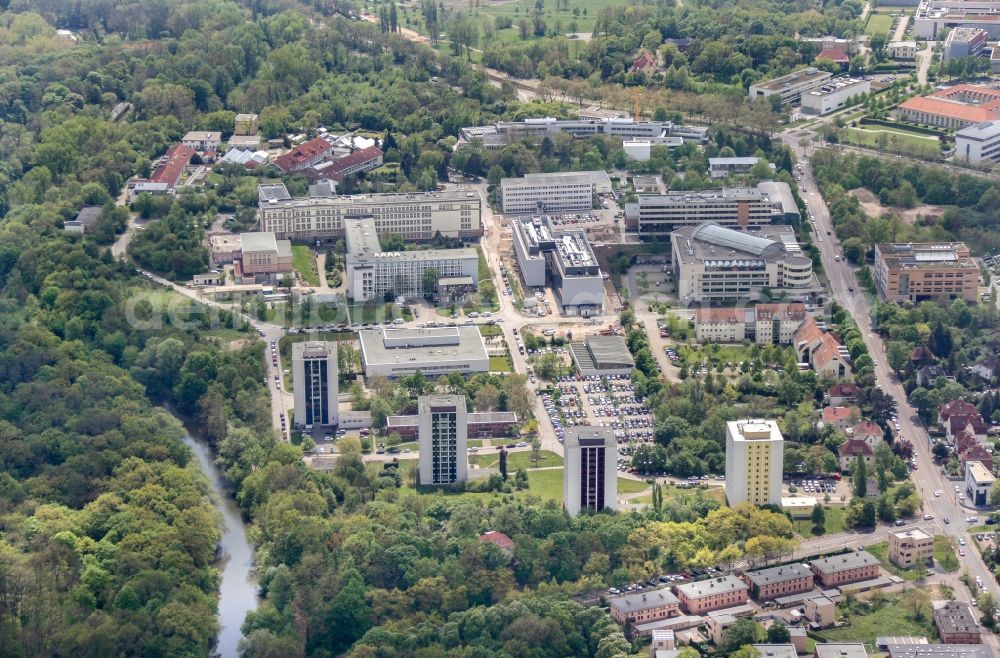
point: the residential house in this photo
(956, 624)
(498, 539)
(817, 347)
(851, 449)
(720, 592)
(956, 415)
(928, 375)
(775, 582)
(868, 432)
(921, 355)
(969, 449)
(841, 417)
(846, 568)
(644, 607)
(644, 63)
(842, 394)
(988, 368)
(202, 140)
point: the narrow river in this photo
(237, 586)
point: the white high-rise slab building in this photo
(754, 461)
(590, 479)
(314, 382)
(443, 439)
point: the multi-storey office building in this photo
(754, 460)
(315, 384)
(373, 273)
(553, 193)
(978, 142)
(917, 272)
(935, 16)
(434, 352)
(715, 263)
(503, 133)
(590, 480)
(443, 439)
(416, 216)
(656, 216)
(791, 87)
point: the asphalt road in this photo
(928, 477)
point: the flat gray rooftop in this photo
(644, 600)
(719, 585)
(780, 574)
(399, 346)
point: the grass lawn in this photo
(304, 262)
(227, 335)
(897, 138)
(501, 364)
(556, 17)
(834, 523)
(548, 484)
(890, 618)
(516, 460)
(487, 330)
(881, 551)
(672, 493)
(944, 553)
(878, 23)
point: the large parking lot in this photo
(820, 486)
(601, 402)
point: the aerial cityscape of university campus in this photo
(499, 328)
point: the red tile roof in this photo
(855, 447)
(828, 351)
(643, 62)
(957, 407)
(302, 154)
(844, 390)
(174, 161)
(835, 414)
(808, 333)
(949, 109)
(498, 538)
(790, 311)
(706, 315)
(868, 428)
(358, 157)
(834, 54)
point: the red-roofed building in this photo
(828, 361)
(976, 453)
(172, 165)
(841, 417)
(304, 155)
(361, 160)
(497, 538)
(851, 450)
(955, 107)
(835, 54)
(868, 432)
(842, 394)
(644, 63)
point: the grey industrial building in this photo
(554, 192)
(602, 356)
(495, 137)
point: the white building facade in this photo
(553, 193)
(978, 143)
(417, 216)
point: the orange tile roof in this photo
(950, 109)
(826, 352)
(809, 332)
(705, 315)
(834, 414)
(868, 428)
